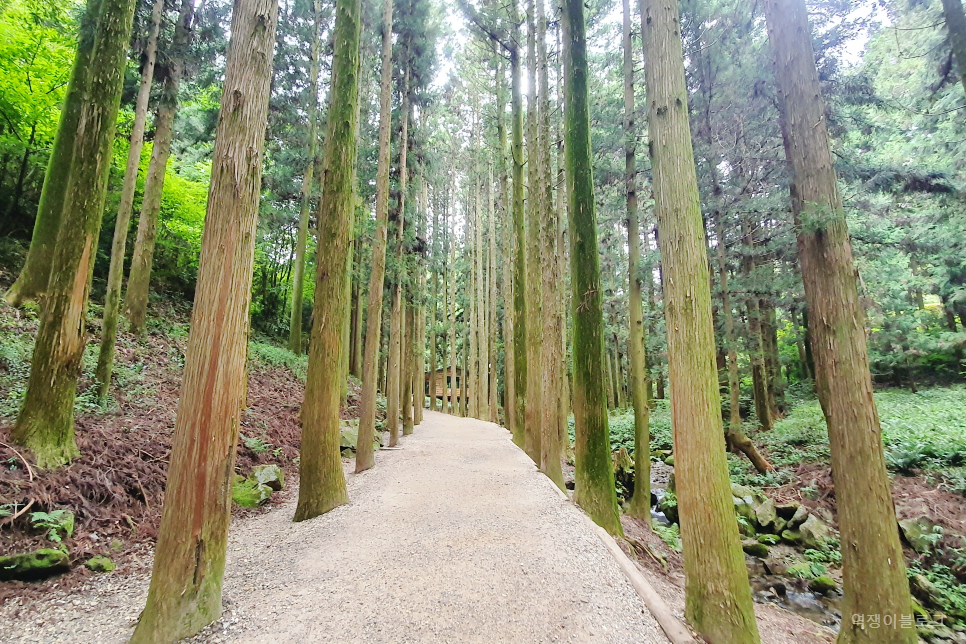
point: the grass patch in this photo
(925, 430)
(269, 355)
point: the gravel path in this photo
(453, 538)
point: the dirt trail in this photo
(453, 538)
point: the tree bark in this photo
(956, 26)
(112, 299)
(407, 360)
(367, 415)
(395, 320)
(872, 560)
(138, 283)
(189, 562)
(321, 481)
(35, 275)
(594, 475)
(519, 256)
(717, 596)
(46, 420)
(534, 293)
(308, 179)
(640, 503)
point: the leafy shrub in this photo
(270, 355)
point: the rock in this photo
(775, 565)
(744, 508)
(815, 533)
(787, 510)
(766, 514)
(920, 533)
(925, 591)
(804, 570)
(669, 460)
(769, 539)
(793, 537)
(349, 437)
(33, 565)
(249, 493)
(746, 528)
(798, 518)
(100, 563)
(755, 549)
(778, 525)
(348, 453)
(822, 585)
(270, 475)
(669, 506)
(742, 492)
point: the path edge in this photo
(673, 628)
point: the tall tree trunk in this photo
(308, 179)
(464, 382)
(407, 362)
(189, 561)
(717, 596)
(640, 503)
(367, 415)
(507, 254)
(756, 352)
(534, 293)
(956, 26)
(359, 315)
(395, 320)
(112, 299)
(46, 420)
(472, 250)
(321, 481)
(33, 278)
(492, 402)
(775, 386)
(872, 561)
(22, 174)
(434, 306)
(453, 393)
(594, 475)
(550, 443)
(735, 437)
(138, 283)
(520, 305)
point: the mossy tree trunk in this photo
(520, 241)
(409, 369)
(531, 254)
(640, 503)
(308, 180)
(396, 329)
(594, 476)
(491, 277)
(35, 275)
(321, 481)
(956, 26)
(189, 561)
(717, 595)
(138, 283)
(377, 275)
(112, 299)
(506, 284)
(46, 420)
(874, 577)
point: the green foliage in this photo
(269, 355)
(621, 423)
(806, 570)
(54, 522)
(257, 444)
(923, 430)
(952, 593)
(829, 555)
(671, 534)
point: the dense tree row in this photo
(481, 232)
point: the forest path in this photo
(453, 538)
